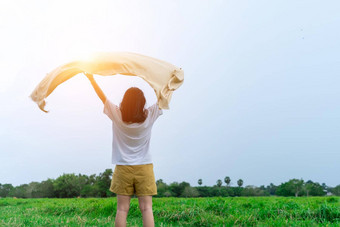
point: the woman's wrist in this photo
(89, 76)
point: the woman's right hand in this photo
(94, 84)
(89, 76)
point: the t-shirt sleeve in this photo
(155, 111)
(110, 109)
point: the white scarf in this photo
(162, 76)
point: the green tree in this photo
(92, 186)
(271, 189)
(167, 193)
(199, 182)
(91, 180)
(182, 186)
(293, 187)
(177, 189)
(5, 189)
(227, 180)
(189, 192)
(204, 191)
(90, 191)
(159, 181)
(31, 190)
(46, 189)
(336, 190)
(174, 189)
(219, 183)
(314, 189)
(240, 182)
(162, 188)
(19, 191)
(69, 185)
(284, 190)
(103, 183)
(251, 190)
(308, 187)
(296, 186)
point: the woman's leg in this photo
(145, 206)
(123, 205)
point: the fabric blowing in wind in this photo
(162, 76)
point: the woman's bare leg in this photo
(145, 206)
(123, 205)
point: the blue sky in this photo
(259, 100)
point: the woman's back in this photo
(131, 141)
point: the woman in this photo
(133, 174)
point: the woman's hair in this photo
(132, 106)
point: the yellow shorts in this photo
(136, 179)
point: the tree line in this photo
(72, 185)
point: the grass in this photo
(216, 211)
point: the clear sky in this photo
(260, 99)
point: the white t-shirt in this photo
(130, 145)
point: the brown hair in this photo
(132, 106)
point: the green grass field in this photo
(217, 211)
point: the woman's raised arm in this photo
(99, 91)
